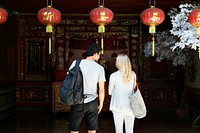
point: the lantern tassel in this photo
(49, 28)
(198, 30)
(199, 51)
(152, 29)
(102, 52)
(153, 45)
(101, 29)
(49, 45)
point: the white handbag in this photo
(137, 103)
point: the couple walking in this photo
(120, 87)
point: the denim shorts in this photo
(89, 111)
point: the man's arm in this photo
(101, 95)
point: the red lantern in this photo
(152, 17)
(3, 15)
(101, 16)
(194, 19)
(49, 16)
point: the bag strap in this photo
(78, 62)
(136, 85)
(136, 88)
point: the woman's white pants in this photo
(124, 118)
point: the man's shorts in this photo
(87, 110)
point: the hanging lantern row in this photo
(3, 15)
(152, 17)
(101, 16)
(194, 19)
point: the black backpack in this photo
(71, 90)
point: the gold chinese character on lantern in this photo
(155, 17)
(103, 16)
(48, 16)
(198, 17)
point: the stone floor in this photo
(44, 122)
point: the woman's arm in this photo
(101, 95)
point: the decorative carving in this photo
(35, 60)
(60, 65)
(39, 94)
(57, 106)
(30, 27)
(86, 21)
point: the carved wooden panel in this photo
(33, 94)
(58, 106)
(32, 48)
(30, 96)
(158, 94)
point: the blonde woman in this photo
(120, 87)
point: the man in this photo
(93, 78)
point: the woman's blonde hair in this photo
(124, 65)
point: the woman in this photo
(120, 87)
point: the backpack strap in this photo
(78, 62)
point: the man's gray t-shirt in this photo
(92, 74)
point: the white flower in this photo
(182, 28)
